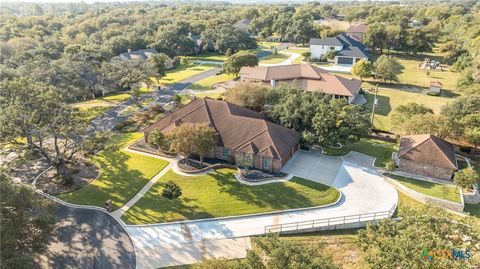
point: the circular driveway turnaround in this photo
(85, 238)
(363, 189)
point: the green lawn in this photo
(389, 99)
(182, 72)
(219, 194)
(214, 95)
(274, 58)
(210, 56)
(441, 191)
(474, 210)
(207, 83)
(379, 149)
(462, 164)
(123, 174)
(298, 50)
(268, 44)
(134, 108)
(91, 112)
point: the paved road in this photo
(364, 191)
(85, 238)
(110, 119)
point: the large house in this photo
(348, 50)
(306, 76)
(357, 32)
(427, 155)
(239, 131)
(144, 55)
(243, 25)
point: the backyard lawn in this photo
(389, 99)
(379, 149)
(274, 58)
(207, 83)
(441, 191)
(91, 112)
(219, 194)
(123, 174)
(268, 44)
(134, 108)
(182, 72)
(210, 56)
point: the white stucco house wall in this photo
(348, 50)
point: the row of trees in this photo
(321, 119)
(459, 118)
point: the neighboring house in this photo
(357, 32)
(239, 131)
(197, 42)
(435, 87)
(348, 50)
(243, 25)
(427, 155)
(306, 76)
(144, 55)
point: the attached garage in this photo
(344, 60)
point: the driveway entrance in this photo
(314, 166)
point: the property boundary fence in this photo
(330, 223)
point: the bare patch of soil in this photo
(82, 173)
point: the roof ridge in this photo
(438, 147)
(273, 142)
(415, 146)
(249, 140)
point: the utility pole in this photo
(374, 104)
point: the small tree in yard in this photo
(156, 138)
(330, 55)
(362, 69)
(205, 140)
(390, 166)
(387, 68)
(177, 98)
(466, 177)
(238, 60)
(191, 139)
(171, 191)
(185, 61)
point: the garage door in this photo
(345, 60)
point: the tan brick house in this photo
(427, 155)
(239, 130)
(308, 77)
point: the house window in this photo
(332, 48)
(225, 152)
(266, 163)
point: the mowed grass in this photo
(210, 56)
(268, 44)
(91, 112)
(379, 149)
(274, 58)
(441, 191)
(389, 99)
(219, 194)
(134, 108)
(182, 72)
(122, 175)
(207, 83)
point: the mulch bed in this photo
(257, 175)
(143, 146)
(83, 174)
(195, 164)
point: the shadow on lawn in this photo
(277, 196)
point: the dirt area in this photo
(26, 172)
(82, 174)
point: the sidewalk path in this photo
(364, 191)
(293, 57)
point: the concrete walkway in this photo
(290, 60)
(339, 68)
(364, 191)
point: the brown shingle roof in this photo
(359, 28)
(238, 128)
(309, 77)
(436, 84)
(428, 149)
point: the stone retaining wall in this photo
(425, 198)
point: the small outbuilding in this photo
(435, 88)
(427, 155)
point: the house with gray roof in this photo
(348, 50)
(144, 54)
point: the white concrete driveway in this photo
(168, 244)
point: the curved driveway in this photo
(85, 238)
(364, 191)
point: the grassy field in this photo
(134, 108)
(274, 58)
(389, 99)
(91, 112)
(381, 150)
(441, 191)
(123, 174)
(182, 72)
(268, 44)
(214, 95)
(473, 210)
(298, 50)
(342, 245)
(207, 83)
(219, 194)
(210, 56)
